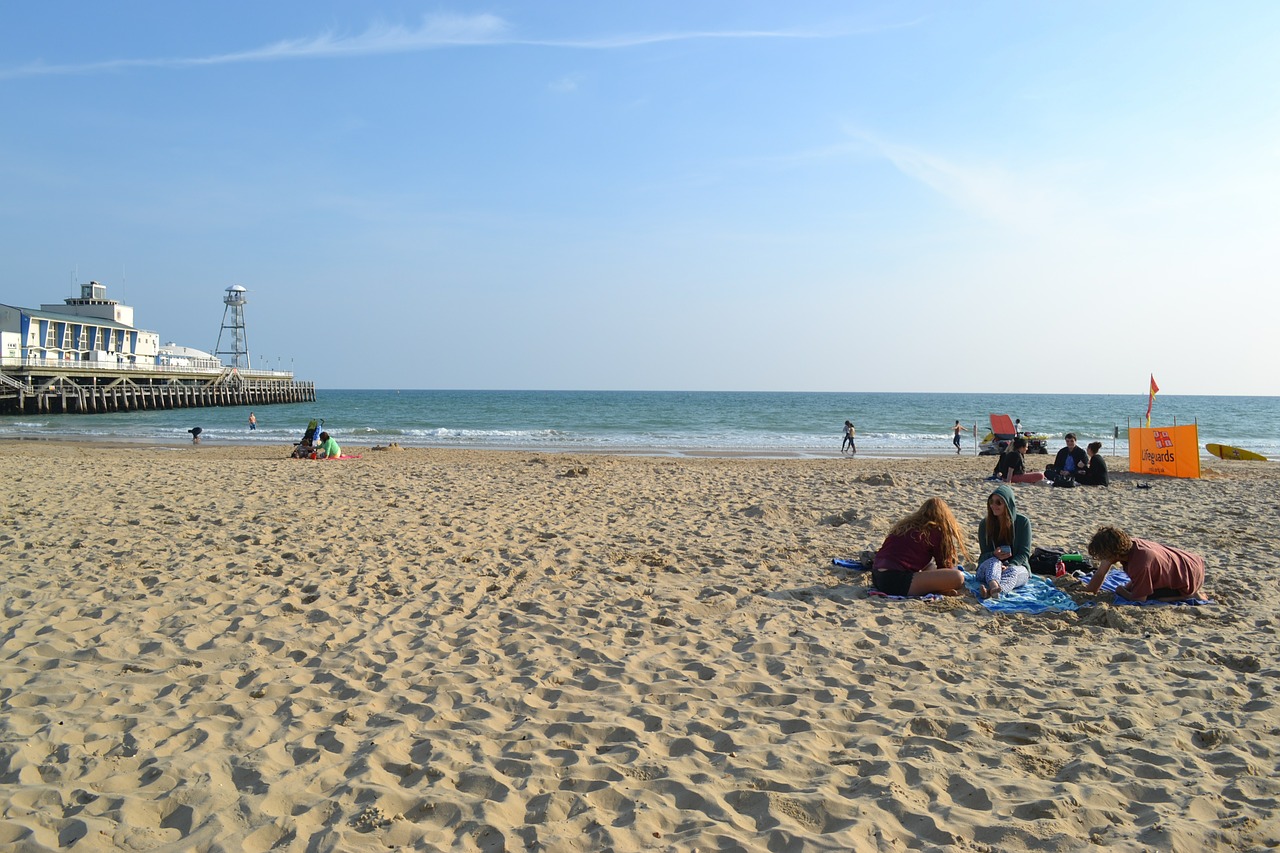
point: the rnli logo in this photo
(1163, 439)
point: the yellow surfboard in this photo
(1226, 451)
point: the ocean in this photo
(678, 423)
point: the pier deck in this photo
(37, 386)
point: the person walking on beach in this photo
(921, 552)
(253, 422)
(849, 432)
(956, 439)
(1004, 543)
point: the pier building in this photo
(85, 356)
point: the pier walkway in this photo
(44, 386)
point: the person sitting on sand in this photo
(1071, 459)
(930, 536)
(1155, 571)
(1011, 467)
(328, 448)
(1095, 470)
(1004, 543)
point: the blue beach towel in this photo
(1118, 578)
(928, 596)
(1037, 596)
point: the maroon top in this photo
(910, 552)
(1151, 566)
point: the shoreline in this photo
(561, 450)
(462, 649)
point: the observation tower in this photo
(233, 321)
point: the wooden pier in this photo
(40, 387)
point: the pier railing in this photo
(39, 385)
(19, 364)
(10, 382)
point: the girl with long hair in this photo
(1004, 543)
(921, 552)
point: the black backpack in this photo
(1044, 561)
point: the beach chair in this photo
(304, 448)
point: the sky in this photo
(722, 195)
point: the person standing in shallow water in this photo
(849, 432)
(956, 439)
(253, 421)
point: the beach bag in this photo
(1064, 480)
(1044, 561)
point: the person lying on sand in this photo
(1155, 571)
(930, 536)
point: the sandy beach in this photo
(220, 648)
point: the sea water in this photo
(678, 422)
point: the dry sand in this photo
(213, 648)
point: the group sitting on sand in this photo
(921, 554)
(1086, 467)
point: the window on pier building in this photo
(49, 340)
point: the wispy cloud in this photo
(435, 32)
(565, 85)
(987, 191)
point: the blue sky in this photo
(913, 196)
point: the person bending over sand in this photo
(1155, 571)
(920, 553)
(1004, 543)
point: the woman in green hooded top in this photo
(1004, 540)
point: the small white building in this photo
(173, 355)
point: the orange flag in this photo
(1151, 398)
